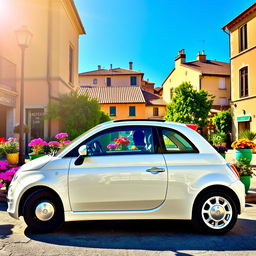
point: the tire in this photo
(215, 213)
(42, 211)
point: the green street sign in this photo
(243, 118)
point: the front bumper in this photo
(238, 188)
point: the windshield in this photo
(77, 139)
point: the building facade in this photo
(212, 76)
(243, 65)
(122, 93)
(51, 61)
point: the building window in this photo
(132, 111)
(133, 80)
(243, 38)
(222, 83)
(223, 102)
(243, 78)
(71, 65)
(95, 81)
(108, 81)
(112, 111)
(155, 112)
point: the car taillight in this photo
(233, 168)
(192, 126)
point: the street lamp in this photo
(23, 36)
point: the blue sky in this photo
(151, 32)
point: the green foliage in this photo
(223, 121)
(78, 113)
(189, 105)
(218, 138)
(104, 117)
(247, 134)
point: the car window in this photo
(121, 140)
(173, 141)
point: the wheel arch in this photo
(33, 189)
(221, 188)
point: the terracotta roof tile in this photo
(111, 72)
(153, 99)
(209, 67)
(114, 95)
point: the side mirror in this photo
(83, 150)
(82, 154)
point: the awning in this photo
(243, 119)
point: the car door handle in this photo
(155, 170)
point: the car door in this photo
(122, 171)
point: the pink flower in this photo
(66, 141)
(53, 143)
(61, 135)
(37, 142)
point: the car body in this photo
(166, 171)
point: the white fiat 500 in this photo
(130, 170)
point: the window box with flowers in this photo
(243, 148)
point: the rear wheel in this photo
(215, 213)
(42, 211)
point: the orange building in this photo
(212, 76)
(242, 31)
(122, 93)
(51, 61)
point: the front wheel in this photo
(42, 211)
(215, 213)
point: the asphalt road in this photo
(143, 238)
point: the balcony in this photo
(7, 74)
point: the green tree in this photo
(189, 105)
(223, 121)
(77, 113)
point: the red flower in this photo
(2, 140)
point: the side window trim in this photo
(162, 145)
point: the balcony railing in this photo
(7, 74)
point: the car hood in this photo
(36, 164)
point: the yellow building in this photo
(51, 60)
(122, 93)
(242, 30)
(212, 76)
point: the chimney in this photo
(99, 67)
(181, 58)
(201, 56)
(130, 65)
(111, 66)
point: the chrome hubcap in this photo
(217, 212)
(44, 211)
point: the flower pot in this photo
(13, 158)
(244, 155)
(223, 155)
(246, 180)
(33, 156)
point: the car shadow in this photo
(6, 230)
(149, 235)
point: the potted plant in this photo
(37, 146)
(54, 145)
(11, 148)
(221, 150)
(247, 134)
(62, 138)
(245, 172)
(243, 149)
(219, 138)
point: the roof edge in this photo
(234, 21)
